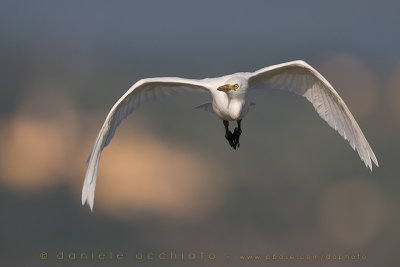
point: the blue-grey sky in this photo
(72, 41)
(208, 31)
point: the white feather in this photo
(300, 78)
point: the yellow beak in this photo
(226, 88)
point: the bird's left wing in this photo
(300, 78)
(144, 91)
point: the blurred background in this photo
(169, 180)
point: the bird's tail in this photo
(205, 107)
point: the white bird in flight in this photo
(230, 102)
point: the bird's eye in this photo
(236, 86)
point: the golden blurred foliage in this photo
(45, 144)
(35, 152)
(39, 141)
(141, 173)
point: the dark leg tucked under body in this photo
(233, 138)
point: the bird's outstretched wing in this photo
(144, 91)
(300, 78)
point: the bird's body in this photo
(232, 107)
(231, 102)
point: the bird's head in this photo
(234, 85)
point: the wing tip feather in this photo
(88, 194)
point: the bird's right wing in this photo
(302, 79)
(144, 91)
